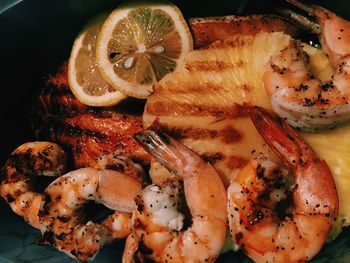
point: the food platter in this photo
(38, 41)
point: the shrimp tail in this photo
(281, 137)
(131, 254)
(170, 153)
(305, 7)
(301, 19)
(299, 156)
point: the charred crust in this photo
(61, 236)
(260, 171)
(116, 167)
(47, 237)
(212, 158)
(63, 219)
(238, 236)
(46, 207)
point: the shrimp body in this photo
(23, 167)
(159, 223)
(282, 213)
(115, 161)
(63, 223)
(298, 96)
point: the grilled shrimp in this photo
(20, 174)
(303, 99)
(158, 225)
(62, 219)
(282, 213)
(117, 162)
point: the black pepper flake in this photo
(303, 87)
(327, 86)
(308, 102)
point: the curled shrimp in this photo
(62, 218)
(159, 232)
(21, 171)
(282, 213)
(296, 94)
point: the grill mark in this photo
(75, 131)
(226, 135)
(215, 65)
(60, 100)
(232, 42)
(182, 133)
(230, 135)
(212, 158)
(86, 145)
(72, 126)
(234, 162)
(159, 108)
(56, 97)
(186, 88)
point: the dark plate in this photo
(36, 36)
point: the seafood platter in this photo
(154, 131)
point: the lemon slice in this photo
(139, 44)
(85, 80)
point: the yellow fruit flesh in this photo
(236, 66)
(85, 79)
(88, 75)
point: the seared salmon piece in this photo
(207, 30)
(86, 132)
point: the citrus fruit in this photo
(85, 80)
(140, 43)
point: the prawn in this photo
(296, 94)
(282, 213)
(62, 218)
(159, 229)
(21, 171)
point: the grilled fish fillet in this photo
(210, 29)
(204, 104)
(84, 131)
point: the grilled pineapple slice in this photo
(198, 105)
